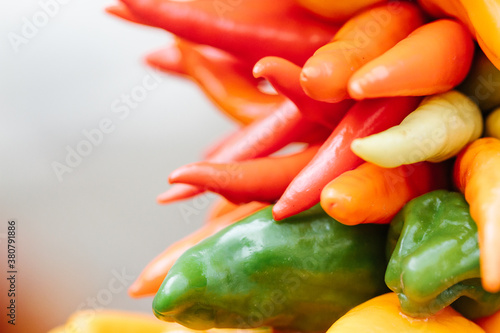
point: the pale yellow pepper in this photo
(383, 314)
(437, 130)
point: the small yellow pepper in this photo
(493, 124)
(437, 130)
(383, 314)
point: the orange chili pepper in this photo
(373, 194)
(152, 276)
(221, 207)
(433, 59)
(285, 78)
(383, 314)
(361, 39)
(262, 179)
(225, 79)
(168, 59)
(477, 174)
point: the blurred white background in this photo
(76, 230)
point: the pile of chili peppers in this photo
(361, 190)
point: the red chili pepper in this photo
(152, 276)
(261, 138)
(250, 29)
(444, 56)
(285, 78)
(338, 11)
(123, 12)
(178, 192)
(361, 39)
(226, 80)
(262, 179)
(335, 156)
(482, 18)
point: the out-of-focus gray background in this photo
(66, 69)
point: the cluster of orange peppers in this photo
(319, 77)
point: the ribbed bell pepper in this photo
(436, 258)
(300, 274)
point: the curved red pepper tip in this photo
(280, 209)
(168, 59)
(177, 193)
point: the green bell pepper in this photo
(435, 258)
(299, 274)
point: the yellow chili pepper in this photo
(493, 124)
(437, 130)
(482, 17)
(383, 314)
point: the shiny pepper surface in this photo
(299, 274)
(436, 258)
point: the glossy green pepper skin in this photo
(435, 258)
(299, 274)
